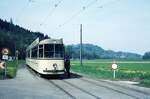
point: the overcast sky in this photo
(119, 25)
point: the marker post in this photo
(5, 71)
(114, 74)
(114, 67)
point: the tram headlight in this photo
(55, 66)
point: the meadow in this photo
(133, 70)
(11, 69)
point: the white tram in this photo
(46, 56)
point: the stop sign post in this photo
(114, 67)
(5, 52)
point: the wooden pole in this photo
(81, 44)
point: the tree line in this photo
(91, 51)
(146, 55)
(15, 38)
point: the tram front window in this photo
(59, 50)
(53, 51)
(49, 50)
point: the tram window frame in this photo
(49, 52)
(34, 52)
(40, 51)
(53, 51)
(28, 54)
(59, 52)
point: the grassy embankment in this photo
(11, 69)
(134, 70)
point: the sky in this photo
(119, 25)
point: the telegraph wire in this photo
(79, 12)
(108, 3)
(84, 8)
(23, 9)
(51, 12)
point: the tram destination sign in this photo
(35, 42)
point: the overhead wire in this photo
(23, 9)
(108, 3)
(83, 9)
(79, 12)
(51, 12)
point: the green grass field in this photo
(11, 69)
(134, 70)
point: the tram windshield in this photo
(53, 51)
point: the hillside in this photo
(15, 37)
(91, 51)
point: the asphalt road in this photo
(27, 85)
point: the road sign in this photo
(114, 66)
(5, 51)
(2, 65)
(5, 57)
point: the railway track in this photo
(70, 89)
(83, 90)
(118, 91)
(62, 89)
(70, 94)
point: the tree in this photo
(15, 37)
(146, 55)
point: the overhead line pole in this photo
(81, 44)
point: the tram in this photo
(46, 56)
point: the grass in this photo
(11, 69)
(133, 70)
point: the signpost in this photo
(5, 52)
(114, 67)
(2, 65)
(17, 52)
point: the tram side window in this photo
(49, 50)
(41, 51)
(59, 50)
(28, 54)
(34, 52)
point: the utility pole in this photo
(81, 44)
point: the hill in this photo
(91, 51)
(15, 37)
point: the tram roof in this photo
(45, 41)
(51, 41)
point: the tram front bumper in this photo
(54, 71)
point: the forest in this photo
(15, 38)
